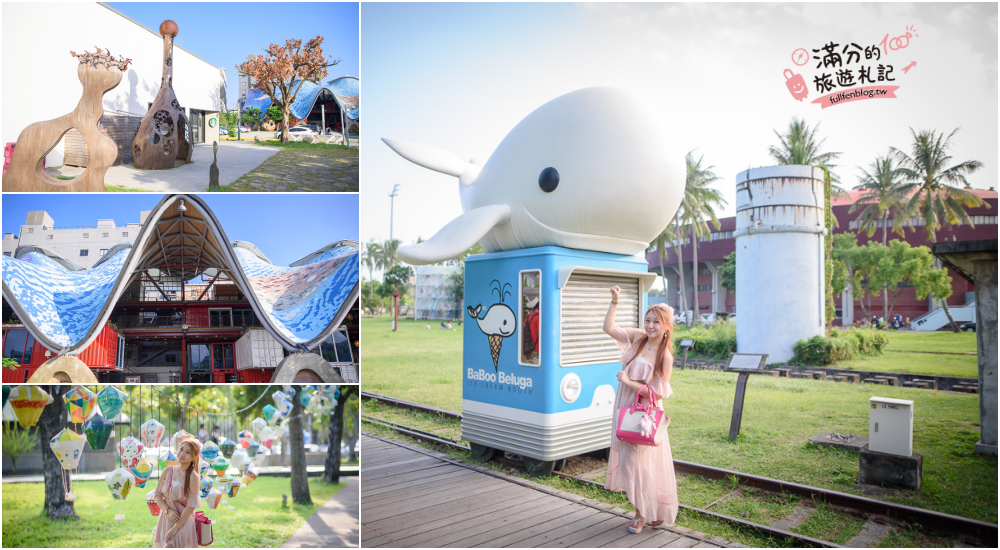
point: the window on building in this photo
(86, 235)
(17, 345)
(704, 271)
(337, 348)
(84, 252)
(703, 288)
(243, 317)
(124, 233)
(31, 230)
(104, 251)
(104, 234)
(530, 317)
(220, 317)
(48, 237)
(7, 254)
(199, 357)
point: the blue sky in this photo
(284, 227)
(224, 34)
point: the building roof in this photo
(65, 309)
(345, 91)
(852, 196)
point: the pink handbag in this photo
(642, 424)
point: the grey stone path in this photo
(235, 159)
(333, 169)
(869, 536)
(335, 524)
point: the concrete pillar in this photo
(779, 259)
(847, 307)
(985, 278)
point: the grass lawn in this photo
(779, 416)
(899, 356)
(304, 145)
(257, 521)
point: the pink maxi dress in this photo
(186, 536)
(645, 473)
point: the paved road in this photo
(335, 524)
(235, 159)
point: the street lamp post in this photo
(392, 198)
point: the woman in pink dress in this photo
(177, 495)
(645, 473)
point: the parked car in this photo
(223, 131)
(297, 130)
(245, 129)
(969, 327)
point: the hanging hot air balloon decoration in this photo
(98, 431)
(111, 400)
(68, 448)
(28, 403)
(253, 449)
(166, 458)
(130, 450)
(206, 485)
(271, 414)
(227, 447)
(304, 399)
(256, 426)
(239, 456)
(209, 451)
(266, 437)
(152, 433)
(220, 465)
(213, 498)
(120, 482)
(180, 437)
(281, 402)
(142, 470)
(245, 438)
(250, 475)
(203, 466)
(79, 404)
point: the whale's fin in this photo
(428, 156)
(458, 236)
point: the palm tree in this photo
(932, 188)
(388, 259)
(698, 203)
(371, 258)
(668, 237)
(799, 146)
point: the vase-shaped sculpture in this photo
(163, 137)
(99, 73)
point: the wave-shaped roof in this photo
(65, 309)
(345, 90)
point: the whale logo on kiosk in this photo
(588, 170)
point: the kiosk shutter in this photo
(584, 303)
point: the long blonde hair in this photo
(664, 314)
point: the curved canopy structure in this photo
(65, 309)
(345, 90)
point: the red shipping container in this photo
(256, 376)
(15, 376)
(197, 317)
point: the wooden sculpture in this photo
(163, 135)
(213, 170)
(100, 73)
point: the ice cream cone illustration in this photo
(496, 341)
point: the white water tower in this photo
(779, 259)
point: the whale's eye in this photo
(548, 180)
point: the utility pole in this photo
(392, 198)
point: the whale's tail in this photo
(474, 311)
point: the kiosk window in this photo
(531, 306)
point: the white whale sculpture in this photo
(588, 170)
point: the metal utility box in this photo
(890, 426)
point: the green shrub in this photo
(715, 341)
(840, 345)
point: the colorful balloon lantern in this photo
(28, 403)
(239, 457)
(180, 437)
(266, 437)
(206, 485)
(151, 502)
(227, 447)
(220, 465)
(130, 450)
(6, 394)
(250, 475)
(79, 403)
(142, 470)
(271, 414)
(253, 449)
(166, 458)
(68, 448)
(213, 498)
(256, 426)
(259, 459)
(203, 466)
(209, 451)
(304, 399)
(280, 429)
(289, 391)
(120, 482)
(245, 466)
(246, 438)
(281, 402)
(152, 433)
(111, 400)
(233, 489)
(98, 431)
(223, 482)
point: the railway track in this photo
(985, 532)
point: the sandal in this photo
(635, 527)
(656, 524)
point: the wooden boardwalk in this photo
(417, 498)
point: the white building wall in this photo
(40, 80)
(68, 242)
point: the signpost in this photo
(686, 345)
(395, 310)
(744, 364)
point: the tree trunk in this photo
(331, 472)
(885, 288)
(694, 271)
(52, 421)
(285, 114)
(680, 265)
(353, 436)
(296, 442)
(947, 311)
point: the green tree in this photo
(902, 266)
(388, 258)
(932, 187)
(727, 272)
(254, 115)
(800, 146)
(456, 287)
(17, 442)
(372, 299)
(396, 278)
(699, 205)
(669, 237)
(371, 256)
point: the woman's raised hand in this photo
(615, 291)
